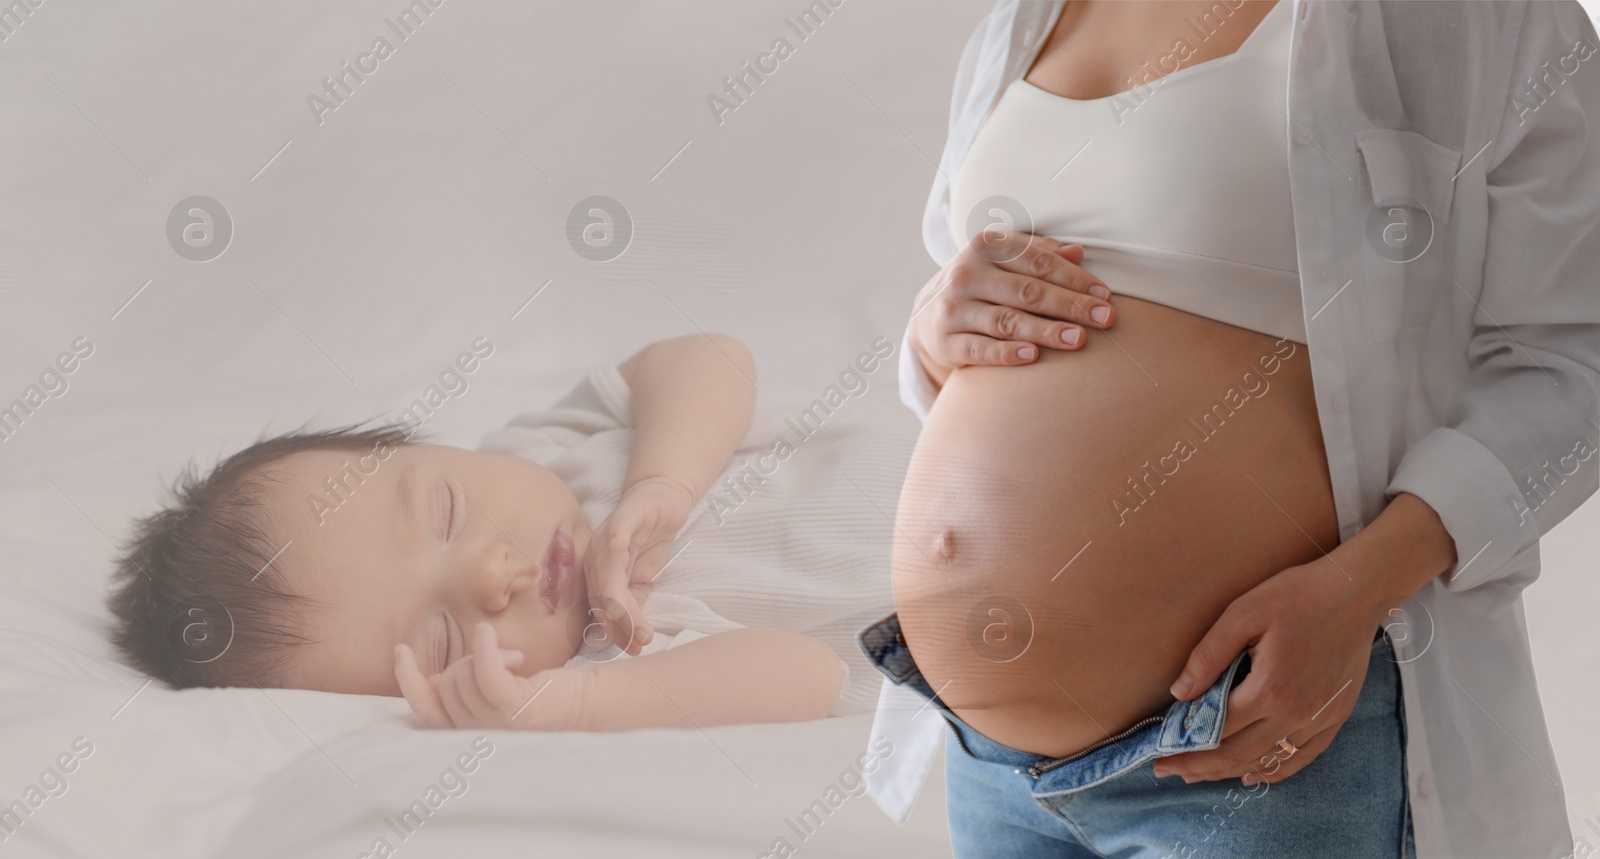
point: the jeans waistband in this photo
(1185, 726)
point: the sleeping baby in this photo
(634, 556)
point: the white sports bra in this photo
(1178, 190)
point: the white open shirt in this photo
(1467, 377)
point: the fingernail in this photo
(1070, 336)
(1025, 353)
(1182, 687)
(1099, 291)
(1100, 314)
(1250, 779)
(1161, 772)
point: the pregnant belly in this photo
(1069, 530)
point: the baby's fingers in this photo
(455, 698)
(607, 561)
(613, 605)
(638, 625)
(484, 712)
(620, 618)
(497, 688)
(418, 691)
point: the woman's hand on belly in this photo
(1000, 299)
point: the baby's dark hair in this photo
(198, 600)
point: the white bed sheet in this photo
(368, 250)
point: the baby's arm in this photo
(692, 401)
(735, 677)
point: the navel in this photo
(944, 546)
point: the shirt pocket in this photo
(1411, 182)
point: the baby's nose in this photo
(524, 580)
(507, 571)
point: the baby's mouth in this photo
(555, 587)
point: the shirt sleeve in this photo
(604, 387)
(936, 233)
(1515, 455)
(917, 390)
(601, 401)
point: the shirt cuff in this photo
(917, 390)
(1476, 499)
(614, 392)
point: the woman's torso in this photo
(1070, 529)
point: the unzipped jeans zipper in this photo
(1038, 770)
(961, 743)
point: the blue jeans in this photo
(1105, 801)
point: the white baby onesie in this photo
(674, 618)
(796, 540)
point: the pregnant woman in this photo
(1266, 346)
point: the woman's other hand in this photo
(1004, 296)
(1309, 630)
(1310, 639)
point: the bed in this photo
(366, 213)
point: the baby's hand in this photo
(626, 554)
(479, 690)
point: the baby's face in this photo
(433, 541)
